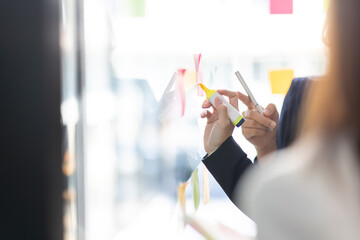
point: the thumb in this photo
(222, 110)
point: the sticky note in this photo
(206, 186)
(189, 79)
(326, 5)
(181, 89)
(280, 80)
(132, 8)
(199, 72)
(195, 188)
(181, 195)
(281, 6)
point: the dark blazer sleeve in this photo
(227, 164)
(288, 121)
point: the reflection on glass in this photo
(70, 119)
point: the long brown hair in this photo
(334, 102)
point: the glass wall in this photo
(139, 144)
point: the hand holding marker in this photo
(235, 117)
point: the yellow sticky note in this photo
(181, 195)
(326, 5)
(206, 186)
(280, 80)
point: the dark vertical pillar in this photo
(31, 181)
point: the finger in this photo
(205, 114)
(246, 100)
(222, 112)
(254, 115)
(249, 123)
(253, 132)
(233, 98)
(227, 93)
(270, 110)
(206, 104)
(210, 116)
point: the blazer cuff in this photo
(227, 164)
(228, 146)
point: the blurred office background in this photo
(123, 151)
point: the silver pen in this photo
(247, 89)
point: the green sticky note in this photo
(195, 188)
(138, 8)
(132, 8)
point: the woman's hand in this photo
(260, 130)
(218, 127)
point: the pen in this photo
(249, 93)
(252, 98)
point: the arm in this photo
(227, 164)
(225, 159)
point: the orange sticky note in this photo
(189, 79)
(181, 195)
(280, 80)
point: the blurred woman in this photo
(311, 190)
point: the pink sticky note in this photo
(281, 6)
(180, 88)
(199, 74)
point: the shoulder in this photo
(299, 84)
(290, 110)
(278, 174)
(294, 197)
